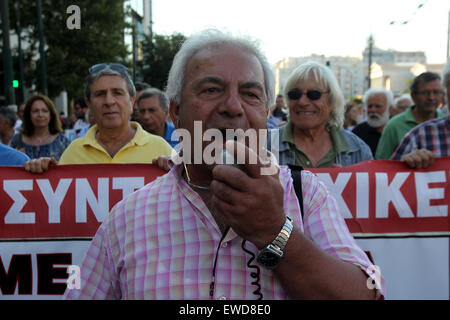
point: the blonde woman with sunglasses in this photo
(313, 136)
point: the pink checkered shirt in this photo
(160, 243)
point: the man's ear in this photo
(133, 100)
(174, 112)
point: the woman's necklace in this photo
(41, 140)
(193, 184)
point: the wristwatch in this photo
(270, 256)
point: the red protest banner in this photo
(67, 201)
(387, 198)
(376, 197)
(47, 221)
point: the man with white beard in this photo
(377, 102)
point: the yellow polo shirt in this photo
(143, 148)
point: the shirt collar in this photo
(196, 202)
(176, 170)
(409, 116)
(339, 143)
(287, 133)
(141, 137)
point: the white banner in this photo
(47, 221)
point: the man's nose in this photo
(304, 99)
(146, 115)
(109, 98)
(232, 104)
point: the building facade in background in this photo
(397, 77)
(390, 69)
(348, 71)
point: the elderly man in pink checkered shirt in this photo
(212, 231)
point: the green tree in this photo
(70, 53)
(158, 54)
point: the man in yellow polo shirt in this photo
(110, 95)
(143, 148)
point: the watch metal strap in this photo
(283, 237)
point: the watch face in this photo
(268, 259)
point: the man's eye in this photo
(211, 90)
(251, 95)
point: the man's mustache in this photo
(376, 115)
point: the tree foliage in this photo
(158, 54)
(70, 53)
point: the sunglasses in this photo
(296, 94)
(113, 66)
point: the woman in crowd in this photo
(350, 116)
(313, 136)
(41, 135)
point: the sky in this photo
(295, 28)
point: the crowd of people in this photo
(312, 132)
(313, 138)
(226, 83)
(99, 128)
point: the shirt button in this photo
(223, 298)
(224, 245)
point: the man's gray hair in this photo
(9, 115)
(373, 91)
(91, 78)
(312, 71)
(154, 92)
(403, 97)
(208, 38)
